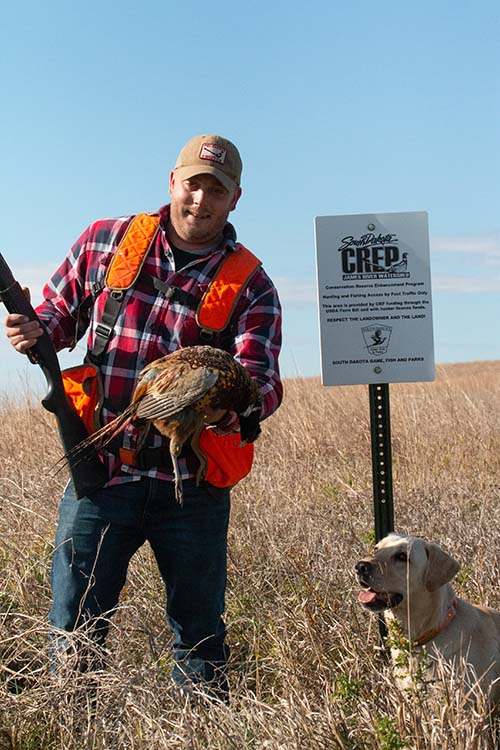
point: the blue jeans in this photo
(95, 540)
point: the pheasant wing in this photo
(168, 391)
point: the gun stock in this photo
(88, 473)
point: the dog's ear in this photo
(440, 569)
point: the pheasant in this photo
(182, 392)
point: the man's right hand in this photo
(22, 332)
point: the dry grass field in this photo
(307, 672)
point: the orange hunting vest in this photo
(227, 461)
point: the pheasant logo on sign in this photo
(377, 338)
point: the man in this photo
(97, 536)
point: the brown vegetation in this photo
(306, 670)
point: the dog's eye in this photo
(401, 557)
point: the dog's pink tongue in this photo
(366, 596)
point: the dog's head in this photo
(400, 567)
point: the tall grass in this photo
(306, 668)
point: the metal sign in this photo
(374, 295)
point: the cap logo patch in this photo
(211, 152)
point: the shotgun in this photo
(87, 472)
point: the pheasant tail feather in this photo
(105, 435)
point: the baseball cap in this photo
(210, 154)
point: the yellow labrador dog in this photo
(410, 578)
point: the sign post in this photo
(383, 501)
(380, 425)
(375, 318)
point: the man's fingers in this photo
(22, 332)
(18, 325)
(15, 319)
(22, 344)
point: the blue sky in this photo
(337, 108)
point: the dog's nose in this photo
(363, 567)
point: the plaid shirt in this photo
(150, 326)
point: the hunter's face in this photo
(199, 208)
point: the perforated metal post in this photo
(380, 423)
